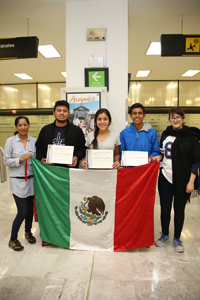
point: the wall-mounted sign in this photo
(96, 34)
(82, 108)
(96, 77)
(180, 45)
(19, 47)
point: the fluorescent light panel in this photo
(48, 51)
(143, 73)
(154, 49)
(23, 76)
(190, 73)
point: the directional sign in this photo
(96, 77)
(19, 47)
(180, 45)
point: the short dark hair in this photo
(61, 103)
(136, 105)
(21, 117)
(176, 110)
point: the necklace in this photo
(104, 137)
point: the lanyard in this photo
(25, 170)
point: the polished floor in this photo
(52, 273)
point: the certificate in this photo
(60, 154)
(134, 158)
(99, 159)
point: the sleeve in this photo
(40, 153)
(81, 148)
(155, 145)
(195, 153)
(8, 160)
(161, 145)
(195, 167)
(122, 140)
(117, 140)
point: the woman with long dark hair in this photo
(18, 151)
(180, 150)
(102, 137)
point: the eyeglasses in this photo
(172, 119)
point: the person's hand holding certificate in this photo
(134, 158)
(99, 159)
(60, 154)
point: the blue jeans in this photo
(24, 211)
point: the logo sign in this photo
(19, 47)
(96, 77)
(180, 45)
(192, 45)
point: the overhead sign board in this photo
(180, 45)
(19, 47)
(96, 77)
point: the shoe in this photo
(15, 245)
(163, 239)
(30, 238)
(178, 245)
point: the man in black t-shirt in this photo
(61, 132)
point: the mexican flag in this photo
(105, 210)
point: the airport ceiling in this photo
(148, 19)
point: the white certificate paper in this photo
(134, 158)
(60, 154)
(99, 159)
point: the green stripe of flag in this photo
(52, 198)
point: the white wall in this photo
(112, 15)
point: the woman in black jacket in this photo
(180, 150)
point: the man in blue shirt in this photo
(140, 136)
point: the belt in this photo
(28, 177)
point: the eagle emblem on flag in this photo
(91, 211)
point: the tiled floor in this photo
(52, 273)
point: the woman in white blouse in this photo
(102, 137)
(18, 151)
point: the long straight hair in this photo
(96, 129)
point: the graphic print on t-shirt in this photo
(59, 135)
(167, 159)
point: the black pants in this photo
(24, 211)
(165, 189)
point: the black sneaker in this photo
(30, 238)
(15, 245)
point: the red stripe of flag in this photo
(134, 208)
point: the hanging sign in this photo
(19, 47)
(180, 45)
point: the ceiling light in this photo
(64, 74)
(48, 51)
(154, 49)
(191, 73)
(45, 87)
(143, 73)
(23, 76)
(11, 89)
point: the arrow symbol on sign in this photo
(95, 76)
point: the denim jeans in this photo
(24, 211)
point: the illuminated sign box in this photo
(19, 47)
(180, 45)
(96, 77)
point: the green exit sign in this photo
(96, 77)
